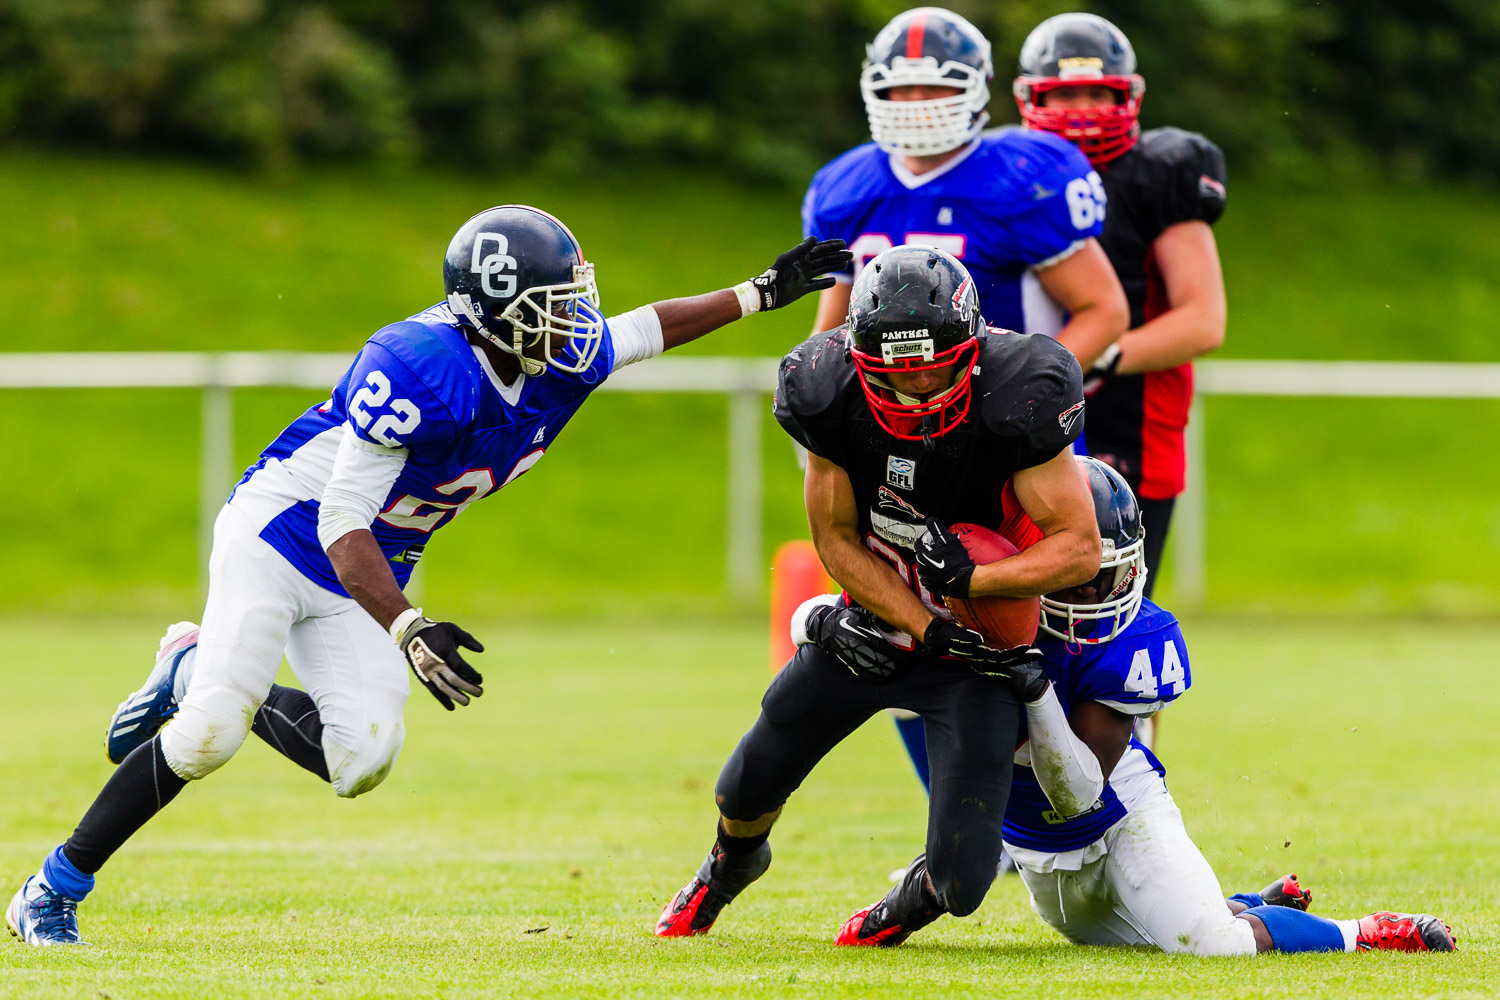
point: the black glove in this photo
(849, 636)
(943, 564)
(806, 267)
(1018, 666)
(1101, 370)
(432, 650)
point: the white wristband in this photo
(402, 622)
(749, 297)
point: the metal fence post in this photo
(215, 458)
(1190, 528)
(742, 546)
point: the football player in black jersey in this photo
(916, 417)
(1078, 80)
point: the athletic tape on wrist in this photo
(404, 621)
(749, 297)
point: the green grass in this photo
(577, 796)
(1344, 506)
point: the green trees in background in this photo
(765, 89)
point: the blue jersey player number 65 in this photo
(402, 419)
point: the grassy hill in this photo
(1347, 506)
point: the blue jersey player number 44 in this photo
(311, 552)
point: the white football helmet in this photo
(933, 47)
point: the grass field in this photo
(523, 847)
(1349, 506)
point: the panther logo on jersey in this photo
(1069, 418)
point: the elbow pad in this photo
(1065, 767)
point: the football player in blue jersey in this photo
(1100, 844)
(316, 542)
(1021, 209)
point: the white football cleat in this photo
(140, 716)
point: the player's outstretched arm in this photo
(1056, 496)
(1084, 283)
(807, 267)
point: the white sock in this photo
(1350, 930)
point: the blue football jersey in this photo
(417, 384)
(1014, 199)
(1142, 670)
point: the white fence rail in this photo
(747, 382)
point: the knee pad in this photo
(202, 737)
(962, 896)
(354, 771)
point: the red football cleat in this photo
(1386, 931)
(869, 927)
(719, 879)
(1285, 891)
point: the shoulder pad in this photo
(436, 355)
(810, 389)
(1019, 163)
(1029, 386)
(1189, 170)
(1140, 671)
(851, 179)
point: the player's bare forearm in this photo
(833, 307)
(1104, 730)
(834, 520)
(1086, 286)
(685, 320)
(1056, 496)
(366, 574)
(1188, 261)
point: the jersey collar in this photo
(912, 181)
(510, 393)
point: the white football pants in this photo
(1152, 887)
(258, 608)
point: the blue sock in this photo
(60, 875)
(914, 735)
(1251, 899)
(1293, 930)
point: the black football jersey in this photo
(1136, 422)
(1027, 406)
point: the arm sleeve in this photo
(1065, 767)
(362, 477)
(636, 335)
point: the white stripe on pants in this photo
(1152, 887)
(258, 607)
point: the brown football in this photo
(1003, 621)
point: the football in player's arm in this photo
(315, 544)
(916, 417)
(1100, 844)
(1166, 189)
(1021, 209)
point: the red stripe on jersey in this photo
(1165, 399)
(914, 36)
(1018, 528)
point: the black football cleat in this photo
(720, 878)
(1386, 931)
(1286, 891)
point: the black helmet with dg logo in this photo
(516, 275)
(933, 47)
(1122, 570)
(912, 309)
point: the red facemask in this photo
(906, 420)
(1103, 133)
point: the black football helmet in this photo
(933, 47)
(1080, 49)
(1123, 568)
(516, 275)
(914, 308)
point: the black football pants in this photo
(972, 724)
(1156, 517)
